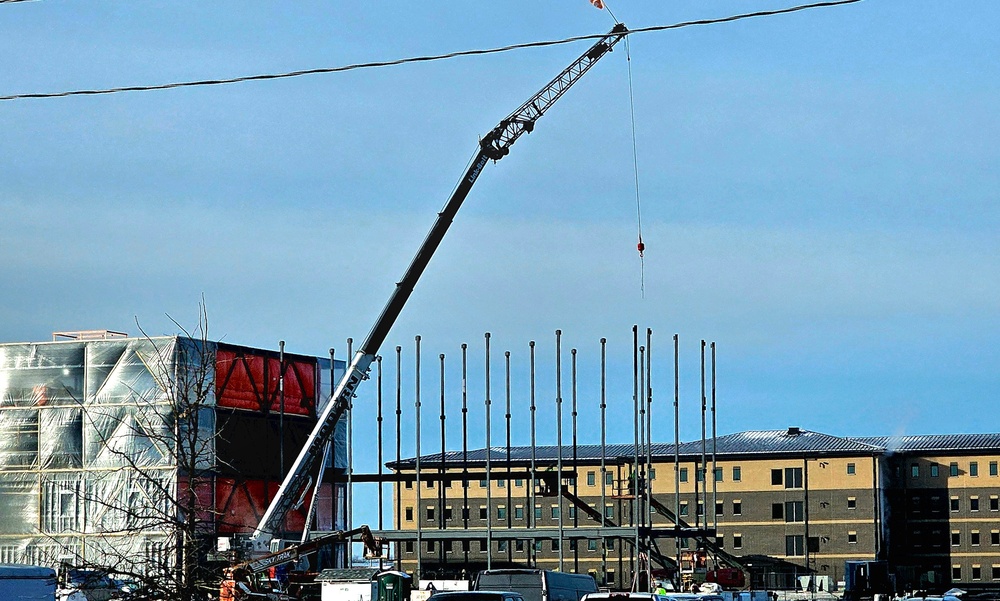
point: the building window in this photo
(684, 474)
(483, 483)
(793, 477)
(954, 504)
(538, 512)
(737, 541)
(795, 545)
(572, 544)
(409, 514)
(501, 512)
(813, 544)
(953, 469)
(430, 546)
(611, 577)
(554, 510)
(994, 503)
(502, 546)
(720, 507)
(519, 512)
(555, 544)
(701, 509)
(851, 469)
(776, 479)
(852, 537)
(718, 474)
(572, 512)
(591, 479)
(737, 507)
(974, 538)
(609, 512)
(974, 469)
(465, 546)
(934, 470)
(409, 484)
(777, 511)
(538, 545)
(519, 545)
(684, 508)
(409, 546)
(993, 468)
(795, 511)
(720, 541)
(609, 478)
(610, 544)
(430, 513)
(447, 513)
(737, 473)
(430, 484)
(482, 545)
(447, 546)
(652, 473)
(483, 513)
(977, 572)
(973, 503)
(519, 483)
(852, 502)
(699, 474)
(956, 538)
(915, 470)
(995, 573)
(995, 537)
(956, 573)
(592, 545)
(501, 484)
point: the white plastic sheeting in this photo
(88, 458)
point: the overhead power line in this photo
(415, 59)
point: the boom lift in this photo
(493, 146)
(250, 571)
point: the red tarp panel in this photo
(248, 379)
(241, 503)
(203, 498)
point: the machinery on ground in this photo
(249, 572)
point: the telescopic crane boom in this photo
(493, 146)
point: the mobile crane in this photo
(493, 146)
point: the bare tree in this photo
(150, 515)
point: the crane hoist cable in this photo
(640, 246)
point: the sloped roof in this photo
(934, 442)
(754, 442)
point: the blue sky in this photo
(819, 195)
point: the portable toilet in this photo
(393, 586)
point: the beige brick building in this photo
(790, 503)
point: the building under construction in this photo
(101, 435)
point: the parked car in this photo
(476, 596)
